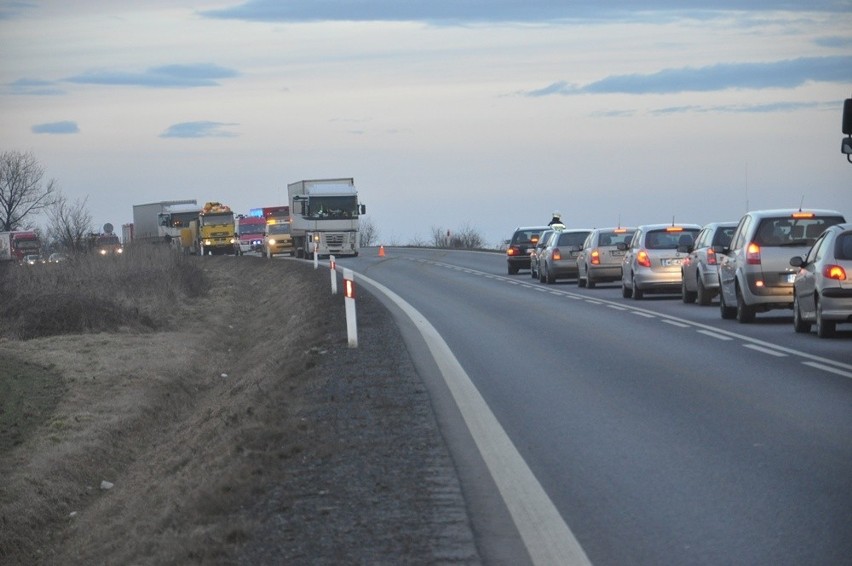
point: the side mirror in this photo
(621, 246)
(797, 261)
(363, 209)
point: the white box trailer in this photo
(146, 219)
(324, 217)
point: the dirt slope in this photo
(252, 434)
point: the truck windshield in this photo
(278, 228)
(214, 219)
(27, 244)
(332, 208)
(246, 229)
(178, 219)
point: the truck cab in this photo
(278, 238)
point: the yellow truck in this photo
(213, 231)
(277, 239)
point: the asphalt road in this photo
(660, 433)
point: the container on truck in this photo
(146, 220)
(324, 217)
(17, 244)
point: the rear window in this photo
(572, 238)
(666, 240)
(613, 238)
(787, 231)
(723, 236)
(843, 248)
(526, 236)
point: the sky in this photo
(449, 114)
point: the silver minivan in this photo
(755, 274)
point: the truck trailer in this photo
(146, 220)
(324, 217)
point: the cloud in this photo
(201, 129)
(13, 9)
(748, 108)
(168, 76)
(66, 127)
(780, 74)
(481, 11)
(34, 87)
(838, 42)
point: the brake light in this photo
(802, 215)
(511, 251)
(596, 257)
(674, 229)
(711, 256)
(753, 254)
(620, 230)
(643, 259)
(557, 255)
(834, 272)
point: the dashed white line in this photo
(763, 350)
(824, 367)
(644, 314)
(715, 335)
(675, 323)
(616, 307)
(593, 302)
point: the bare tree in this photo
(440, 237)
(69, 224)
(368, 233)
(22, 188)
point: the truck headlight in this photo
(271, 241)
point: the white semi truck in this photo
(146, 220)
(324, 217)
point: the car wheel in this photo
(726, 311)
(702, 294)
(799, 324)
(513, 270)
(825, 328)
(745, 313)
(550, 279)
(533, 273)
(637, 292)
(686, 296)
(590, 283)
(581, 282)
(625, 292)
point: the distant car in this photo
(559, 258)
(536, 250)
(755, 274)
(57, 257)
(652, 262)
(822, 289)
(518, 252)
(32, 259)
(700, 269)
(600, 259)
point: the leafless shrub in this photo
(368, 233)
(466, 238)
(140, 290)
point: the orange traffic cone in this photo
(381, 251)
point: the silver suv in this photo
(755, 274)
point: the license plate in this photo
(617, 253)
(672, 261)
(788, 277)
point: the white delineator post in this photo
(349, 299)
(316, 256)
(333, 266)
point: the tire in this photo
(745, 313)
(638, 294)
(533, 273)
(825, 328)
(540, 275)
(727, 312)
(702, 295)
(686, 296)
(581, 282)
(799, 324)
(625, 292)
(590, 283)
(512, 269)
(548, 276)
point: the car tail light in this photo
(801, 214)
(596, 257)
(674, 229)
(511, 251)
(643, 259)
(557, 255)
(753, 254)
(834, 272)
(711, 256)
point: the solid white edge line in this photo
(824, 367)
(547, 537)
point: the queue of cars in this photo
(770, 259)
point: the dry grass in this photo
(91, 293)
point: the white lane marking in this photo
(715, 335)
(770, 351)
(644, 314)
(616, 307)
(675, 323)
(824, 367)
(591, 302)
(547, 537)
